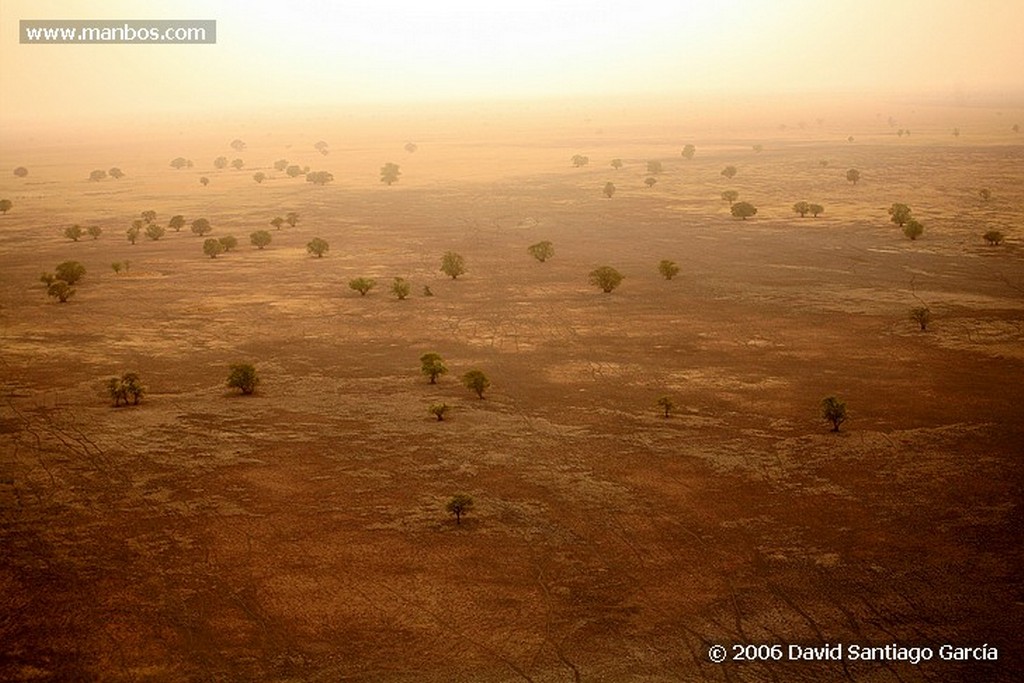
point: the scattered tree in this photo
(294, 171)
(70, 271)
(127, 386)
(97, 175)
(155, 232)
(426, 291)
(649, 181)
(400, 288)
(60, 290)
(853, 175)
(176, 223)
(116, 266)
(180, 163)
(260, 238)
(609, 189)
(459, 505)
(616, 164)
(654, 167)
(204, 181)
(730, 196)
(689, 151)
(362, 285)
(73, 232)
(432, 365)
(606, 277)
(5, 205)
(743, 210)
(899, 214)
(410, 147)
(201, 226)
(579, 160)
(21, 172)
(243, 376)
(220, 163)
(816, 209)
(212, 247)
(134, 231)
(833, 410)
(453, 265)
(94, 231)
(259, 176)
(541, 251)
(666, 405)
(668, 269)
(477, 381)
(148, 216)
(237, 164)
(291, 218)
(321, 147)
(229, 242)
(277, 222)
(237, 145)
(922, 316)
(993, 237)
(389, 173)
(280, 164)
(729, 172)
(317, 247)
(985, 194)
(802, 208)
(319, 177)
(439, 410)
(913, 229)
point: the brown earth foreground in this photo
(300, 534)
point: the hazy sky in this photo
(284, 52)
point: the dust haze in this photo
(514, 342)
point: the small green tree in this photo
(816, 209)
(899, 214)
(179, 163)
(922, 316)
(477, 381)
(609, 189)
(320, 177)
(243, 376)
(579, 160)
(70, 271)
(400, 287)
(60, 290)
(616, 164)
(362, 285)
(73, 232)
(985, 194)
(116, 266)
(204, 181)
(97, 176)
(453, 265)
(666, 405)
(853, 175)
(668, 269)
(260, 238)
(94, 231)
(729, 172)
(229, 242)
(220, 163)
(294, 171)
(743, 210)
(654, 167)
(913, 229)
(237, 164)
(993, 237)
(460, 504)
(212, 247)
(410, 147)
(802, 208)
(833, 410)
(438, 410)
(280, 164)
(259, 176)
(237, 145)
(389, 173)
(116, 173)
(155, 231)
(541, 251)
(730, 196)
(134, 231)
(607, 278)
(21, 172)
(650, 181)
(318, 247)
(148, 216)
(291, 218)
(176, 223)
(201, 226)
(126, 387)
(277, 222)
(5, 205)
(321, 147)
(689, 151)
(432, 365)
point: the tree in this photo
(743, 210)
(60, 290)
(758, 148)
(654, 167)
(294, 171)
(73, 232)
(318, 247)
(439, 410)
(319, 177)
(291, 218)
(606, 277)
(913, 229)
(179, 163)
(259, 176)
(148, 216)
(97, 175)
(277, 222)
(260, 238)
(993, 237)
(134, 231)
(127, 386)
(70, 271)
(729, 172)
(616, 164)
(362, 285)
(176, 223)
(155, 231)
(689, 151)
(237, 164)
(899, 214)
(833, 410)
(853, 175)
(400, 288)
(477, 381)
(985, 194)
(212, 247)
(94, 231)
(201, 226)
(649, 181)
(389, 173)
(321, 147)
(229, 242)
(666, 405)
(5, 205)
(922, 316)
(204, 181)
(802, 208)
(668, 269)
(237, 145)
(541, 251)
(116, 266)
(410, 147)
(220, 163)
(579, 160)
(459, 505)
(609, 189)
(116, 173)
(280, 164)
(816, 209)
(730, 196)
(453, 265)
(432, 365)
(21, 172)
(243, 376)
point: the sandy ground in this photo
(300, 534)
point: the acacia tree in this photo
(179, 163)
(201, 226)
(432, 365)
(321, 147)
(280, 164)
(220, 163)
(816, 209)
(459, 505)
(229, 242)
(94, 231)
(654, 167)
(899, 214)
(97, 175)
(453, 265)
(729, 172)
(400, 288)
(60, 290)
(148, 216)
(730, 196)
(243, 376)
(410, 147)
(477, 381)
(237, 164)
(237, 145)
(439, 410)
(993, 237)
(913, 229)
(616, 164)
(607, 278)
(389, 173)
(743, 210)
(277, 222)
(21, 172)
(668, 269)
(260, 238)
(362, 285)
(609, 189)
(320, 177)
(802, 208)
(212, 247)
(649, 181)
(127, 386)
(541, 251)
(579, 160)
(853, 175)
(204, 181)
(176, 223)
(985, 194)
(291, 218)
(134, 230)
(666, 405)
(833, 410)
(259, 176)
(70, 271)
(922, 316)
(73, 232)
(318, 247)
(689, 151)
(5, 205)
(155, 232)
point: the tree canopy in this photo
(607, 278)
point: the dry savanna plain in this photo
(300, 533)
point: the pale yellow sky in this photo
(322, 52)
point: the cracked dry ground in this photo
(300, 534)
